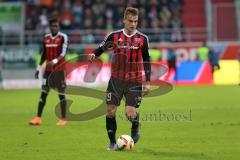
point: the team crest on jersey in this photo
(137, 39)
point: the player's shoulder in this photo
(63, 35)
(142, 34)
(115, 32)
(46, 38)
(47, 35)
(111, 34)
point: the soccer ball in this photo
(125, 142)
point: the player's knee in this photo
(111, 111)
(130, 114)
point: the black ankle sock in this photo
(111, 126)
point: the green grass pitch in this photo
(189, 123)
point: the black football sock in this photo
(111, 126)
(63, 105)
(135, 121)
(41, 103)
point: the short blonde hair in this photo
(130, 11)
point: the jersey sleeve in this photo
(64, 45)
(103, 45)
(146, 59)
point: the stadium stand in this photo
(77, 15)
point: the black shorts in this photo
(54, 80)
(132, 91)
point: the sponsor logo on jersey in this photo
(127, 47)
(51, 45)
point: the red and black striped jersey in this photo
(53, 47)
(130, 55)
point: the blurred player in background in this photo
(213, 59)
(53, 52)
(130, 57)
(172, 60)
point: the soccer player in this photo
(54, 50)
(213, 59)
(130, 48)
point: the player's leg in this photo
(42, 101)
(212, 68)
(111, 125)
(176, 71)
(37, 120)
(133, 101)
(113, 98)
(63, 103)
(60, 83)
(218, 66)
(133, 117)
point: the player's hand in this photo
(53, 62)
(36, 74)
(91, 57)
(146, 89)
(49, 64)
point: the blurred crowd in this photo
(155, 15)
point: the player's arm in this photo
(146, 65)
(42, 60)
(64, 51)
(107, 42)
